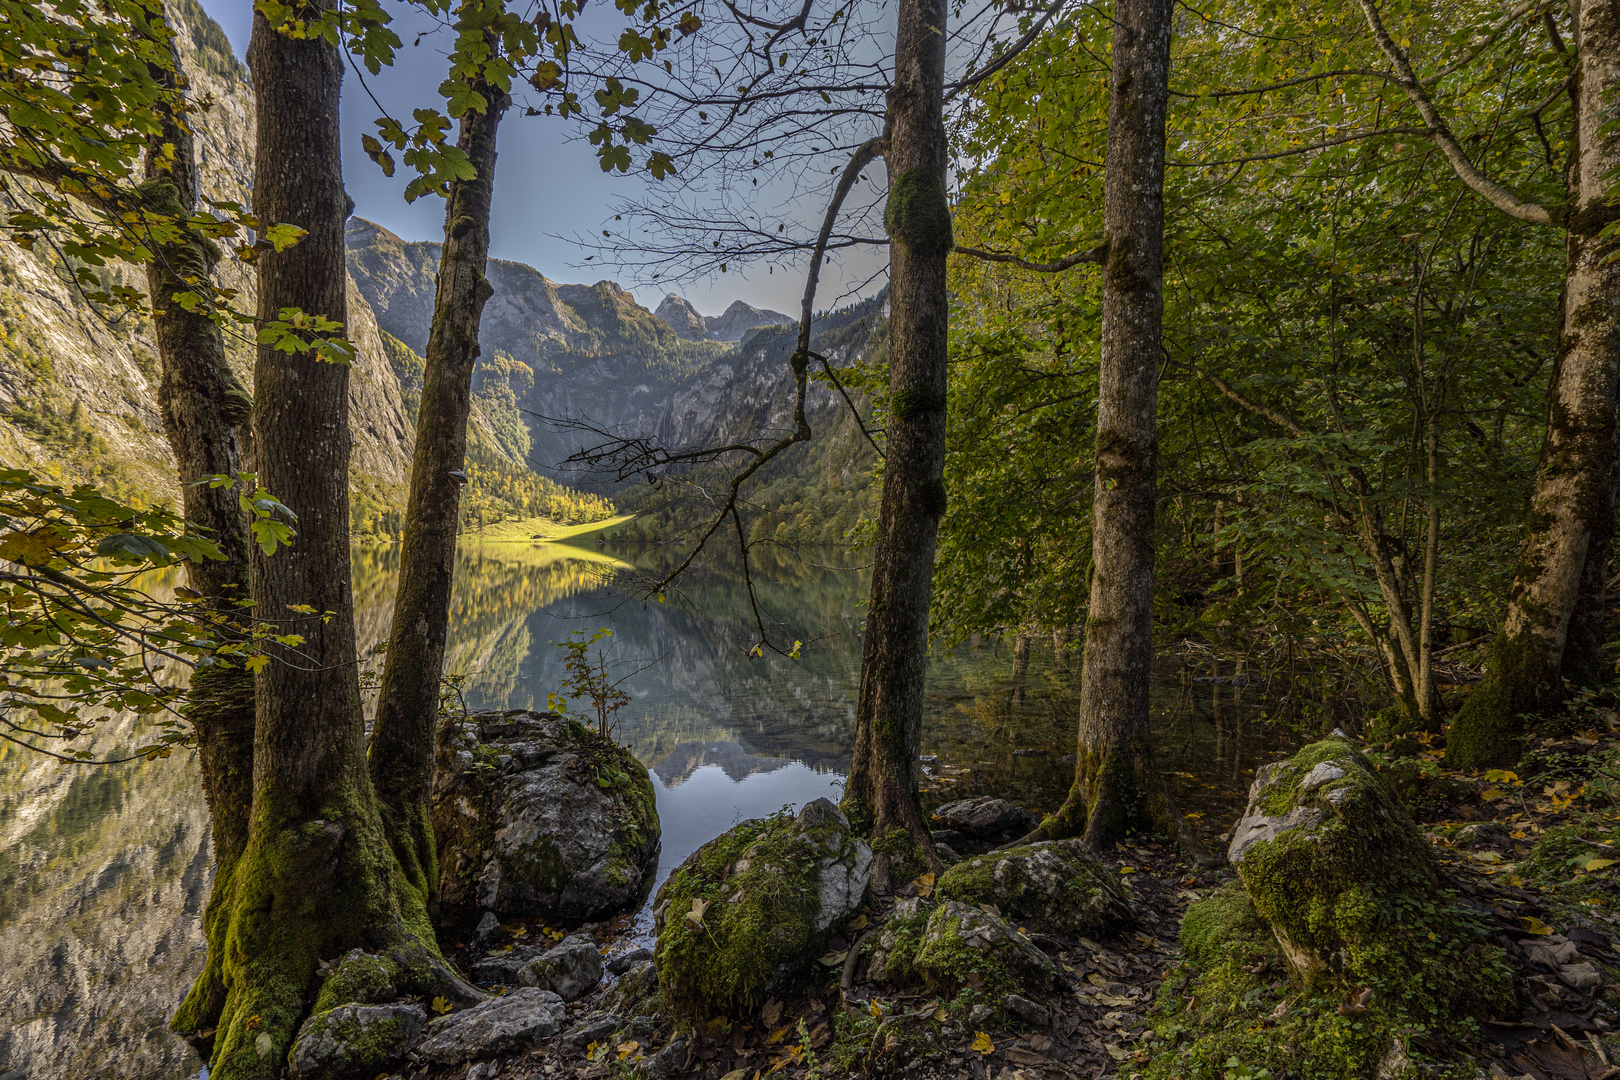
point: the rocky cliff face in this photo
(78, 382)
(733, 325)
(590, 359)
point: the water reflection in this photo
(103, 872)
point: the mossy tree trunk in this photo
(203, 403)
(407, 709)
(1557, 606)
(317, 876)
(1116, 787)
(881, 794)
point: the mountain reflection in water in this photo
(103, 872)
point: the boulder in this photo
(961, 939)
(1059, 886)
(503, 1025)
(537, 815)
(570, 970)
(356, 1040)
(983, 823)
(1351, 890)
(751, 908)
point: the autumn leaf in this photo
(982, 1043)
(441, 1005)
(695, 916)
(1535, 925)
(1600, 864)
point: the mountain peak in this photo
(733, 325)
(683, 318)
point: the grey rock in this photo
(536, 815)
(502, 1025)
(570, 970)
(506, 969)
(488, 927)
(980, 1015)
(669, 1061)
(620, 963)
(1324, 773)
(1259, 826)
(1057, 885)
(1480, 834)
(634, 992)
(820, 812)
(947, 854)
(356, 1040)
(985, 822)
(1030, 1012)
(594, 1027)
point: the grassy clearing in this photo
(539, 528)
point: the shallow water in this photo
(103, 872)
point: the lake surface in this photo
(104, 872)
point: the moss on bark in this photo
(1521, 678)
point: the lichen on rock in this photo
(499, 1026)
(1060, 886)
(752, 908)
(537, 815)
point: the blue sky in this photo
(548, 186)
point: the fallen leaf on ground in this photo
(982, 1043)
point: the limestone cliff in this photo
(78, 381)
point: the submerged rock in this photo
(983, 823)
(751, 908)
(502, 1025)
(356, 1040)
(1060, 886)
(1352, 892)
(536, 815)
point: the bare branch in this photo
(1494, 193)
(1094, 255)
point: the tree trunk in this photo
(1557, 602)
(881, 794)
(202, 404)
(1116, 787)
(408, 706)
(317, 877)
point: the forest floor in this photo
(1534, 855)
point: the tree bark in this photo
(881, 794)
(317, 877)
(1117, 788)
(408, 706)
(1557, 604)
(202, 403)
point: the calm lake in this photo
(104, 872)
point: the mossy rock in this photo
(1223, 921)
(753, 908)
(537, 815)
(356, 1041)
(962, 940)
(1351, 890)
(1057, 886)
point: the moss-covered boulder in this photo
(537, 815)
(754, 907)
(962, 939)
(356, 1041)
(1057, 886)
(1351, 890)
